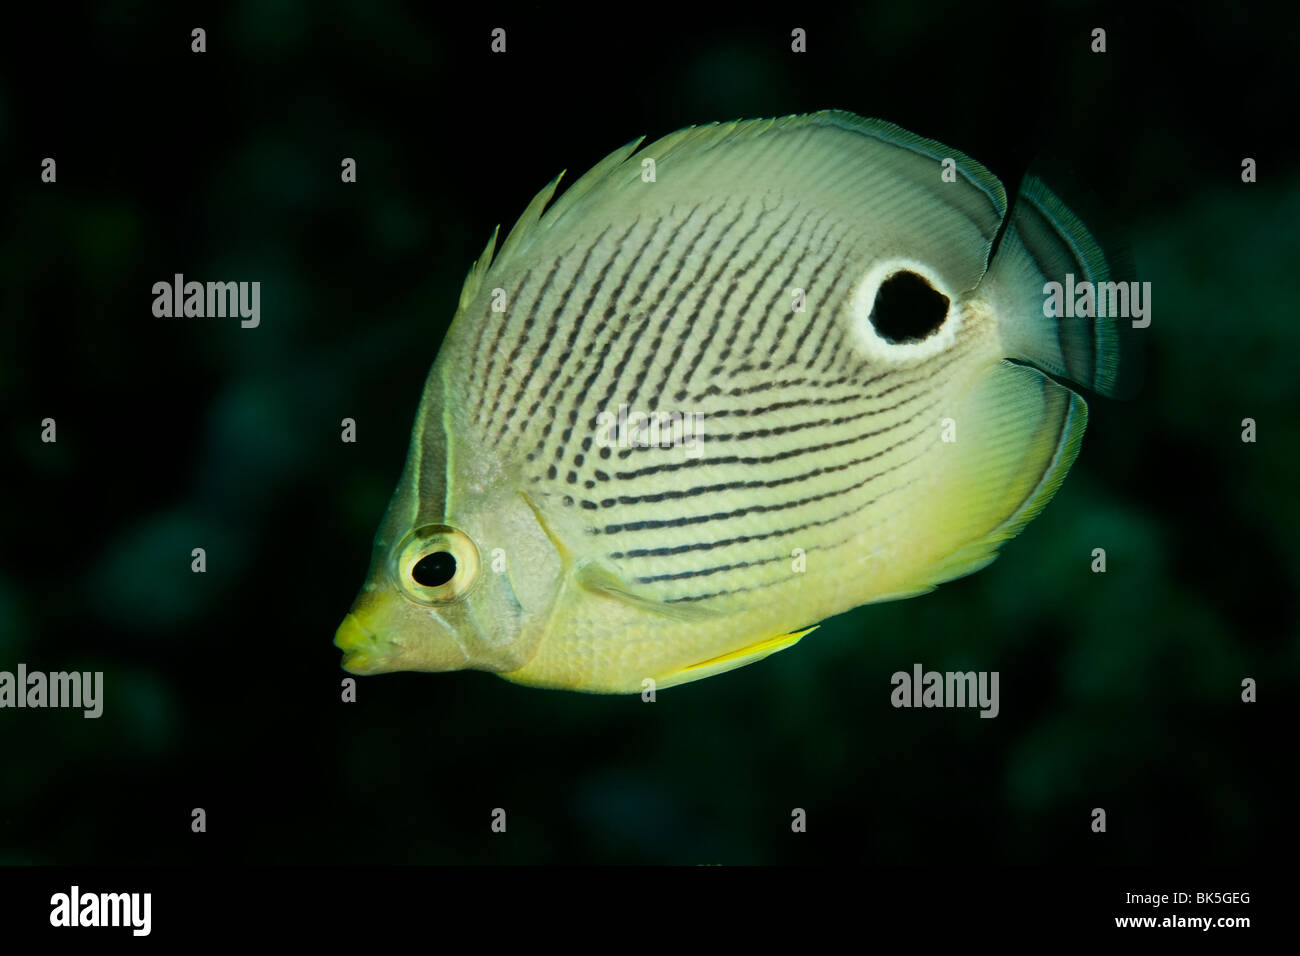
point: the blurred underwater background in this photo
(1119, 690)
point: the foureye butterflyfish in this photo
(748, 377)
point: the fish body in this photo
(727, 386)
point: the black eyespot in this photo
(434, 569)
(908, 308)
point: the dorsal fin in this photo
(532, 221)
(477, 272)
(623, 167)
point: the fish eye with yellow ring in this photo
(436, 564)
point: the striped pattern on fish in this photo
(818, 441)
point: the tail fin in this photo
(1045, 242)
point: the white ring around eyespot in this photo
(869, 341)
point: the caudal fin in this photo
(1045, 242)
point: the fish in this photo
(724, 387)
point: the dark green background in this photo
(222, 690)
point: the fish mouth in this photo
(362, 651)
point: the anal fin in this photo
(746, 655)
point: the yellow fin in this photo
(746, 655)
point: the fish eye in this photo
(908, 308)
(434, 569)
(435, 564)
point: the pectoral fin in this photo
(603, 582)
